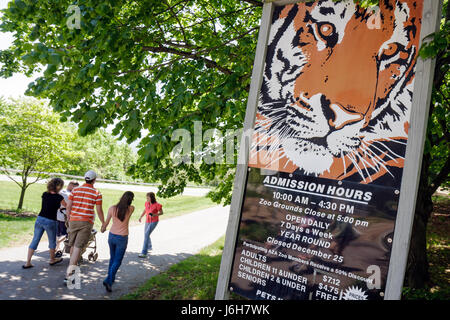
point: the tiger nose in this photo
(342, 116)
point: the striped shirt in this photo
(84, 199)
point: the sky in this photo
(16, 85)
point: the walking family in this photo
(70, 214)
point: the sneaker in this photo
(141, 255)
(66, 281)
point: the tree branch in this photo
(39, 177)
(209, 63)
(6, 172)
(175, 15)
(170, 8)
(217, 17)
(441, 177)
(254, 2)
(155, 66)
(215, 10)
(180, 45)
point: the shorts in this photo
(61, 229)
(79, 233)
(42, 225)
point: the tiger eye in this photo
(326, 30)
(391, 50)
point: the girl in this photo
(46, 221)
(153, 210)
(118, 235)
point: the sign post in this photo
(327, 174)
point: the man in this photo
(81, 215)
(61, 230)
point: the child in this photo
(153, 210)
(61, 229)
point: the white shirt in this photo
(60, 216)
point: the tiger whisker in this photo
(396, 141)
(387, 153)
(287, 162)
(343, 163)
(354, 155)
(354, 161)
(376, 162)
(379, 142)
(381, 162)
(365, 167)
(272, 102)
(275, 160)
(370, 154)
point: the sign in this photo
(323, 179)
(303, 237)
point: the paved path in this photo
(188, 191)
(173, 240)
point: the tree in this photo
(102, 153)
(31, 140)
(157, 65)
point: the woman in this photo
(153, 210)
(118, 235)
(46, 221)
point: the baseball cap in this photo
(90, 175)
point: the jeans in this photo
(117, 247)
(44, 224)
(149, 227)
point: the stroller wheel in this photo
(90, 256)
(95, 256)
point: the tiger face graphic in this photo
(337, 89)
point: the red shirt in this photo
(153, 208)
(84, 199)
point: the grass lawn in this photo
(19, 230)
(196, 277)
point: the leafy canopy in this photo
(154, 65)
(157, 65)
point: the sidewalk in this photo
(188, 191)
(173, 240)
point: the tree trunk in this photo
(22, 196)
(417, 274)
(24, 187)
